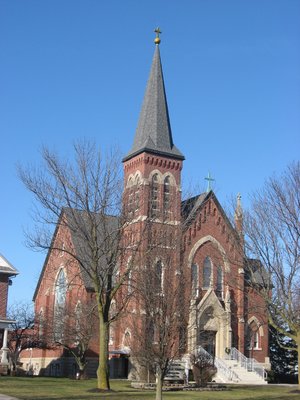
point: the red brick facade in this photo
(3, 295)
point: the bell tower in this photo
(152, 168)
(151, 198)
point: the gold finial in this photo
(158, 32)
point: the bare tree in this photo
(159, 321)
(80, 325)
(272, 231)
(83, 196)
(22, 335)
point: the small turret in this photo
(238, 216)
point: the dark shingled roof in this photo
(255, 273)
(108, 228)
(107, 231)
(153, 132)
(190, 206)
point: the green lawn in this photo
(66, 389)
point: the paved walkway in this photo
(4, 397)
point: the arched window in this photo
(129, 285)
(154, 198)
(41, 323)
(111, 334)
(253, 336)
(158, 277)
(130, 199)
(207, 273)
(194, 279)
(137, 196)
(60, 289)
(255, 340)
(78, 316)
(150, 329)
(219, 282)
(59, 304)
(167, 196)
(127, 339)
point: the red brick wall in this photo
(3, 295)
(255, 310)
(45, 297)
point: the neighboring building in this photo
(6, 272)
(225, 312)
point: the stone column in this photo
(4, 358)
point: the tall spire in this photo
(153, 133)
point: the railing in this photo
(226, 371)
(250, 364)
(219, 364)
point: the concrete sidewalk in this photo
(5, 397)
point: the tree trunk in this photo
(298, 350)
(159, 383)
(103, 371)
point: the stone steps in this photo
(245, 377)
(176, 371)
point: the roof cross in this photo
(209, 179)
(158, 32)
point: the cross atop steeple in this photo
(158, 32)
(209, 179)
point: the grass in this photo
(39, 388)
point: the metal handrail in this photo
(250, 364)
(219, 364)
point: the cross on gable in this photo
(209, 179)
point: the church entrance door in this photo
(208, 342)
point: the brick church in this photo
(226, 314)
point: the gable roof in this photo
(6, 267)
(192, 206)
(189, 207)
(80, 239)
(153, 133)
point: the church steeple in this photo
(153, 133)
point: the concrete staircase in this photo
(176, 371)
(242, 375)
(237, 368)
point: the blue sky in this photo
(74, 69)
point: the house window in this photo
(219, 282)
(194, 279)
(154, 198)
(207, 273)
